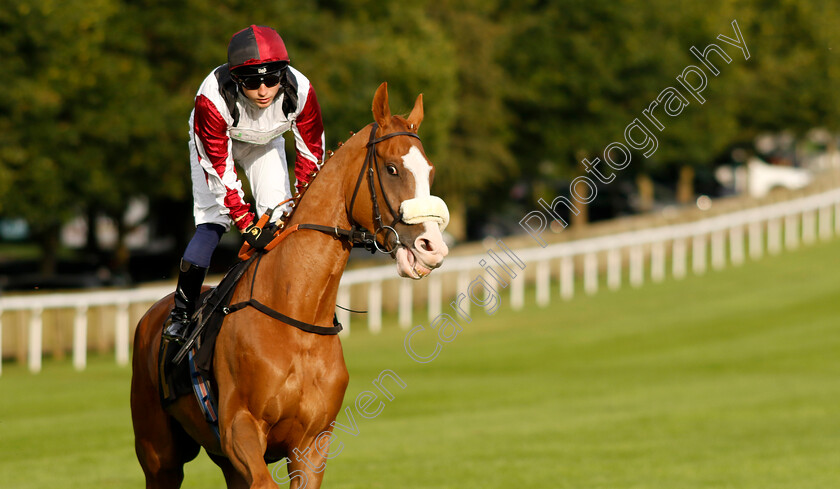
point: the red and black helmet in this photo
(255, 46)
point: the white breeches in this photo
(265, 168)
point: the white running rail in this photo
(716, 241)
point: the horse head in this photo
(406, 218)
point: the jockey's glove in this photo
(257, 237)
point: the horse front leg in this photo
(233, 479)
(244, 443)
(307, 465)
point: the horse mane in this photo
(287, 215)
(299, 194)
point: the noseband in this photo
(357, 235)
(371, 167)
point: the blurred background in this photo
(94, 183)
(618, 359)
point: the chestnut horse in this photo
(278, 386)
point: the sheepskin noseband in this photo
(424, 209)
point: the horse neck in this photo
(306, 267)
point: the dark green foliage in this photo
(96, 95)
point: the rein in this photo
(357, 235)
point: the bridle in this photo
(371, 168)
(357, 235)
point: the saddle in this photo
(178, 378)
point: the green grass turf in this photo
(729, 380)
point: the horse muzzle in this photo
(418, 258)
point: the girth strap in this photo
(309, 328)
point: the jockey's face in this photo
(262, 96)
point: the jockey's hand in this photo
(258, 238)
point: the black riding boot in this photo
(186, 295)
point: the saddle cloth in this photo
(178, 380)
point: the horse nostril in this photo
(431, 249)
(424, 244)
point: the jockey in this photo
(241, 110)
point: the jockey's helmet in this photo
(256, 50)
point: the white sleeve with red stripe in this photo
(210, 122)
(308, 129)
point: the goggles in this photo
(253, 82)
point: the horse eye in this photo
(392, 170)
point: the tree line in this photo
(97, 93)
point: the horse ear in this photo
(381, 111)
(416, 115)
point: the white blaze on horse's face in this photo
(429, 249)
(416, 163)
(424, 207)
